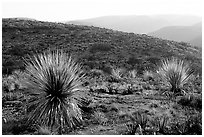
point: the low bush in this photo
(191, 126)
(148, 75)
(17, 127)
(191, 101)
(100, 47)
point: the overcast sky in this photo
(66, 10)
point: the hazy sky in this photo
(65, 10)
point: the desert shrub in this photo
(117, 74)
(191, 126)
(191, 101)
(131, 129)
(106, 69)
(176, 73)
(132, 74)
(138, 120)
(11, 96)
(100, 47)
(14, 81)
(90, 64)
(96, 73)
(134, 61)
(160, 124)
(17, 127)
(195, 85)
(8, 65)
(8, 83)
(43, 130)
(20, 78)
(148, 75)
(99, 118)
(154, 60)
(129, 90)
(55, 79)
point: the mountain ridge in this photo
(181, 33)
(138, 23)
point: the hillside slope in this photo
(93, 47)
(180, 33)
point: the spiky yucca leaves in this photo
(132, 74)
(117, 74)
(139, 120)
(176, 73)
(54, 79)
(160, 124)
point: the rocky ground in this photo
(116, 108)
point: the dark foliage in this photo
(191, 101)
(191, 126)
(17, 127)
(22, 37)
(100, 47)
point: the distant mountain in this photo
(93, 47)
(196, 41)
(138, 23)
(190, 34)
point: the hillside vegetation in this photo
(80, 80)
(93, 47)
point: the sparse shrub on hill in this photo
(191, 101)
(191, 126)
(117, 74)
(100, 47)
(106, 69)
(160, 124)
(14, 81)
(139, 121)
(134, 61)
(148, 75)
(20, 77)
(132, 74)
(95, 73)
(153, 60)
(54, 82)
(8, 84)
(176, 73)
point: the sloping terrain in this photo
(93, 47)
(181, 33)
(140, 103)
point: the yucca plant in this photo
(132, 74)
(117, 74)
(54, 80)
(176, 73)
(160, 123)
(139, 120)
